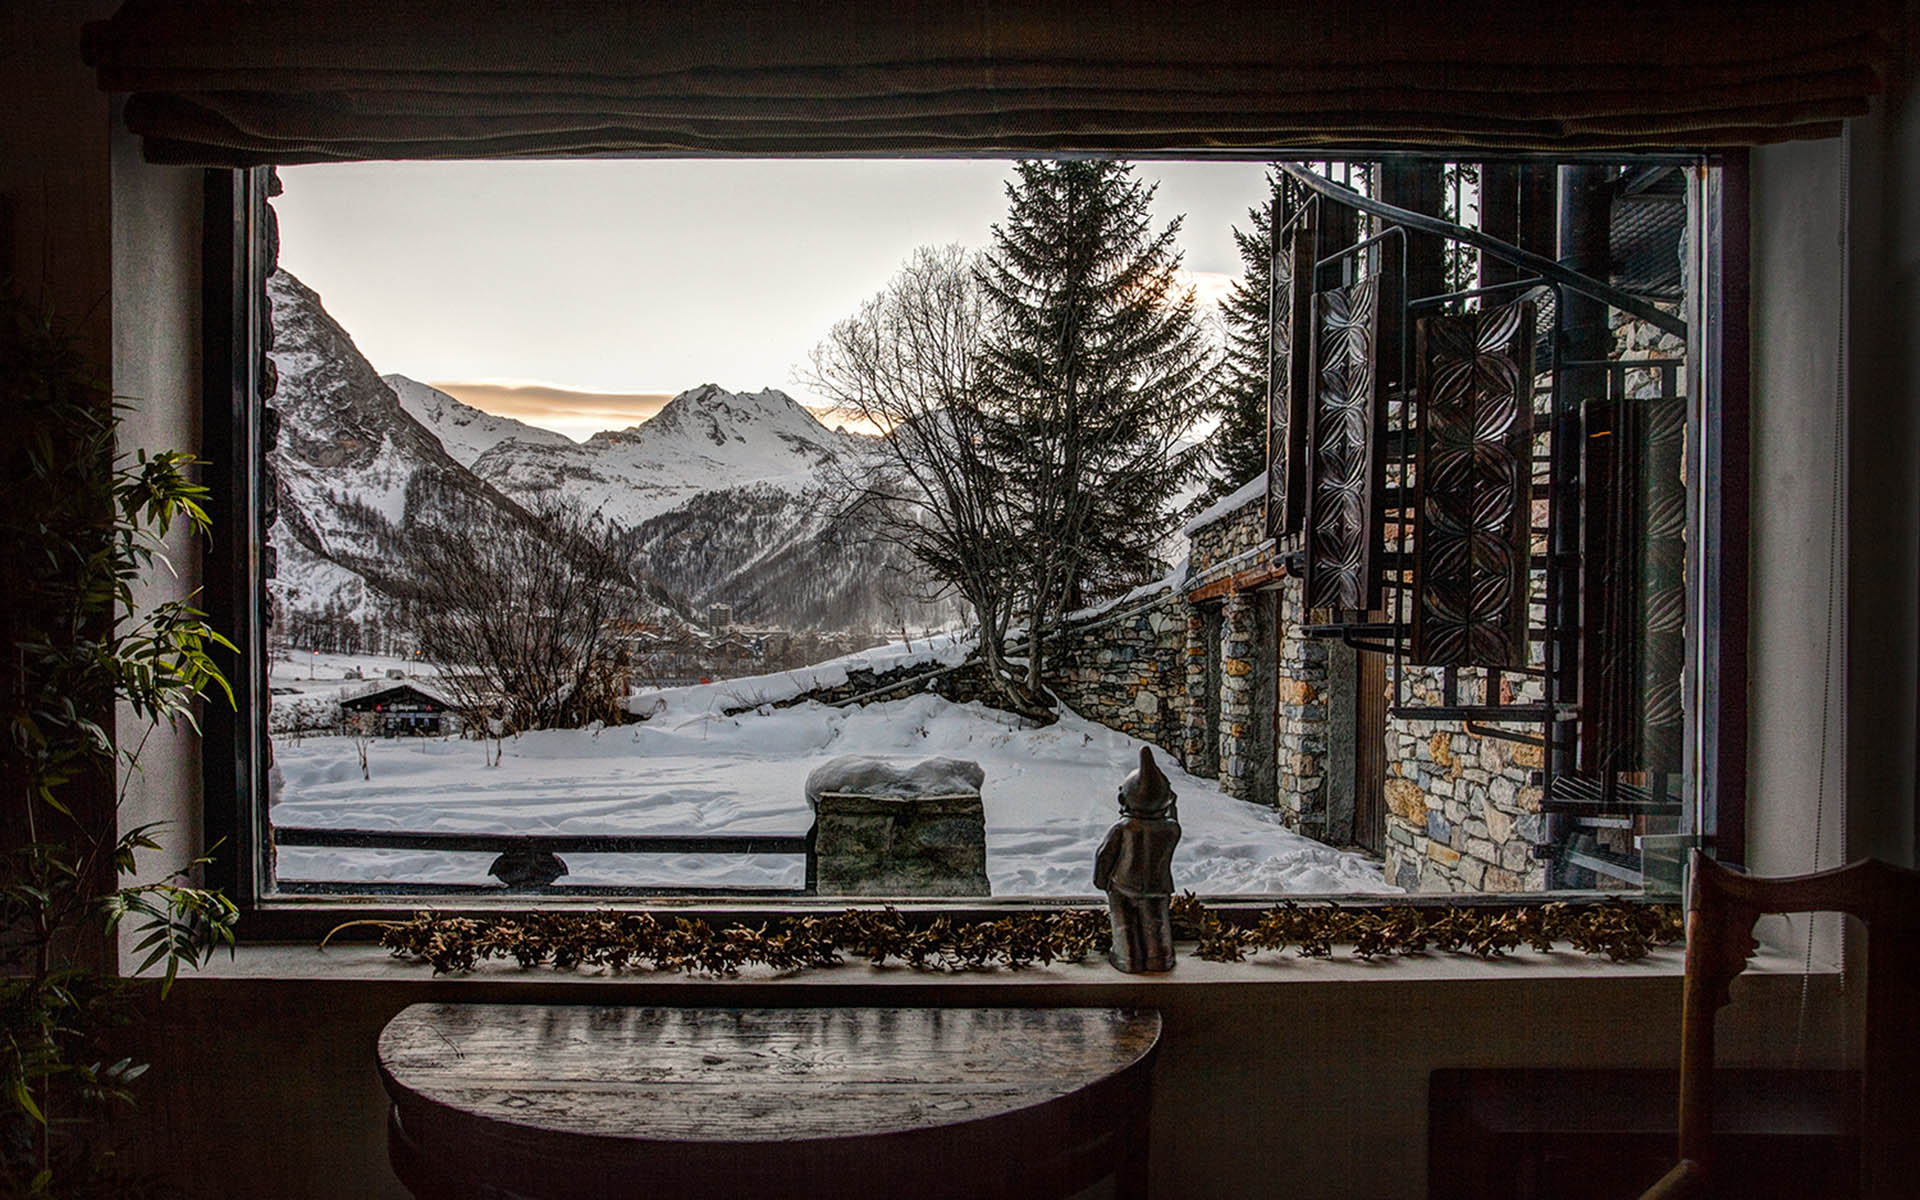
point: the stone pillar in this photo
(1237, 640)
(876, 845)
(1303, 725)
(882, 827)
(1193, 750)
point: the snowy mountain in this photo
(732, 497)
(351, 467)
(704, 438)
(464, 431)
(721, 496)
(788, 557)
(354, 472)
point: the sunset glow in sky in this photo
(580, 296)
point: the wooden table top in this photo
(742, 1076)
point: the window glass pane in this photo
(847, 528)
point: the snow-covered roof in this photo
(1257, 486)
(381, 687)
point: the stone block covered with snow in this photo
(889, 827)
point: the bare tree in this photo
(524, 621)
(907, 363)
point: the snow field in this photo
(1049, 797)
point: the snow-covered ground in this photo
(1049, 793)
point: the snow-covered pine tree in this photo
(1238, 447)
(1095, 365)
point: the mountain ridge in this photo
(721, 497)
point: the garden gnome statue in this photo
(1135, 869)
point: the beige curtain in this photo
(239, 83)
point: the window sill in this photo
(369, 964)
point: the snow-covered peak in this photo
(710, 413)
(465, 431)
(705, 438)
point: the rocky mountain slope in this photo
(720, 497)
(464, 431)
(356, 472)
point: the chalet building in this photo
(399, 710)
(1497, 710)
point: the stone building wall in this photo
(1302, 742)
(1215, 545)
(1463, 810)
(1126, 669)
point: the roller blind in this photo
(237, 83)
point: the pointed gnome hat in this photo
(1146, 792)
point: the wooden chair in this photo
(1725, 905)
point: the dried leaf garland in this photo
(641, 941)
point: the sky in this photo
(581, 295)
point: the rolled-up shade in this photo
(239, 83)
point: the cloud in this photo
(1209, 287)
(577, 414)
(581, 414)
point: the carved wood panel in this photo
(1289, 372)
(1633, 635)
(1474, 378)
(1662, 617)
(1340, 526)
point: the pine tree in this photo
(1095, 366)
(1238, 447)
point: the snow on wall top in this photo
(872, 775)
(1257, 486)
(772, 688)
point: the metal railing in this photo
(530, 862)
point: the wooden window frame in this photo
(237, 256)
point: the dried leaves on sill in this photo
(637, 941)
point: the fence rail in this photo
(529, 862)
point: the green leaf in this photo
(23, 1100)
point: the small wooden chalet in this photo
(399, 709)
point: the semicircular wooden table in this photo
(537, 1102)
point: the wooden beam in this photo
(1239, 581)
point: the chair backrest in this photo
(1725, 905)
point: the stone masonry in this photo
(1301, 743)
(1463, 810)
(1234, 688)
(1238, 638)
(1126, 668)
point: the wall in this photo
(1126, 669)
(1882, 302)
(1304, 697)
(156, 371)
(1279, 1077)
(1463, 811)
(1236, 649)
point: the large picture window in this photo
(1371, 493)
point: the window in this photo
(1309, 685)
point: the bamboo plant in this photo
(84, 526)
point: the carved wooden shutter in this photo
(1289, 368)
(1634, 628)
(1474, 380)
(1340, 526)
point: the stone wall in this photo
(1223, 541)
(1247, 679)
(1463, 809)
(1302, 740)
(1126, 669)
